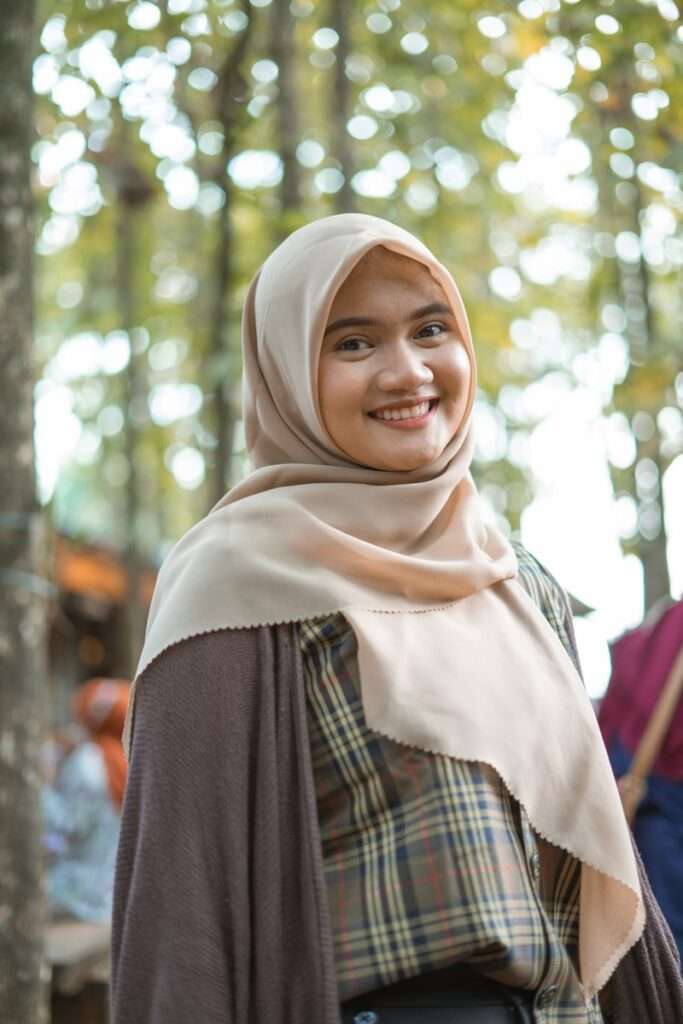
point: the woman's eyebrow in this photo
(362, 321)
(431, 309)
(349, 321)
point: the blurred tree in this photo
(133, 193)
(23, 681)
(340, 100)
(231, 94)
(630, 122)
(287, 133)
(490, 134)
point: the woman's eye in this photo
(434, 330)
(351, 345)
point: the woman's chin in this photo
(402, 462)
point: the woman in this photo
(82, 808)
(642, 660)
(357, 709)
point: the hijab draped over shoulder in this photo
(453, 656)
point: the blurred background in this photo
(534, 146)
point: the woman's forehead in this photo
(380, 260)
(408, 277)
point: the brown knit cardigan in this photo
(220, 913)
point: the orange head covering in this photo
(100, 706)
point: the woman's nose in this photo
(404, 369)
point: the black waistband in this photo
(456, 988)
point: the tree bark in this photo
(22, 590)
(341, 105)
(230, 105)
(283, 51)
(224, 420)
(653, 553)
(125, 255)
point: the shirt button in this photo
(366, 1017)
(546, 995)
(535, 865)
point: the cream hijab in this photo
(453, 656)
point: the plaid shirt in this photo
(428, 859)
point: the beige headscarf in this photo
(453, 655)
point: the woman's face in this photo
(394, 376)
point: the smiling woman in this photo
(394, 377)
(365, 779)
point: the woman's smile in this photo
(394, 376)
(407, 417)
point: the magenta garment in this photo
(641, 662)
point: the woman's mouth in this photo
(409, 418)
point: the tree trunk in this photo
(283, 52)
(22, 591)
(224, 420)
(230, 105)
(125, 256)
(635, 286)
(341, 105)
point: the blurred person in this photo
(642, 660)
(58, 742)
(366, 781)
(82, 806)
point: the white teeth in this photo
(404, 414)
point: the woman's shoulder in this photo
(231, 659)
(550, 597)
(538, 581)
(220, 645)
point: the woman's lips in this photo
(412, 423)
